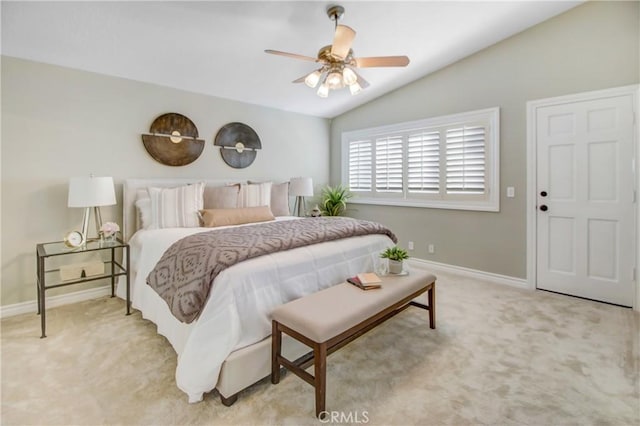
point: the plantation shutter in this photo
(360, 165)
(389, 164)
(423, 162)
(465, 159)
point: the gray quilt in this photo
(184, 274)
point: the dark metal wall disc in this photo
(238, 160)
(238, 144)
(173, 140)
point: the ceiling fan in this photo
(338, 62)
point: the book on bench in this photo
(366, 281)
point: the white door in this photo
(585, 199)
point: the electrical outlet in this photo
(410, 245)
(431, 249)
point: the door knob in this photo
(543, 193)
(544, 208)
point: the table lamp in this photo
(91, 192)
(300, 187)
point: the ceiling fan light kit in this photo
(312, 79)
(323, 90)
(349, 76)
(338, 63)
(355, 88)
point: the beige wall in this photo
(593, 46)
(58, 123)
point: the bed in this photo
(228, 346)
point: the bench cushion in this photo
(327, 313)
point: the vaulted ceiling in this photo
(217, 48)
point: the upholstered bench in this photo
(329, 319)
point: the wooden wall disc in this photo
(238, 144)
(173, 140)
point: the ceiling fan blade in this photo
(382, 61)
(290, 55)
(361, 81)
(342, 41)
(301, 79)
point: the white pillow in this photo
(144, 213)
(176, 207)
(255, 195)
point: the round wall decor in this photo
(238, 144)
(173, 140)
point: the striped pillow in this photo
(255, 195)
(176, 207)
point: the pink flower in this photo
(109, 228)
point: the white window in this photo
(447, 162)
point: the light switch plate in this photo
(511, 191)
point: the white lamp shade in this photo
(301, 187)
(91, 192)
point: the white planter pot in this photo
(395, 266)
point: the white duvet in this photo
(242, 297)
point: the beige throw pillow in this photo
(212, 218)
(221, 197)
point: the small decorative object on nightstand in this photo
(109, 231)
(316, 212)
(300, 187)
(74, 239)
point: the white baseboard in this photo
(53, 301)
(79, 296)
(471, 273)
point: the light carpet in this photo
(499, 356)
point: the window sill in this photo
(449, 205)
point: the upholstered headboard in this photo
(131, 186)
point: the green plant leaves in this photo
(394, 253)
(334, 200)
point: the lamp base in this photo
(299, 207)
(85, 222)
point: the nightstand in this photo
(51, 278)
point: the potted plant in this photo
(395, 255)
(334, 200)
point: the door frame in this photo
(532, 108)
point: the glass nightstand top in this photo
(59, 247)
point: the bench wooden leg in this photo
(320, 377)
(431, 298)
(276, 348)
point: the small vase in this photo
(110, 238)
(395, 266)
